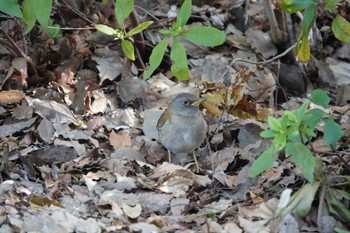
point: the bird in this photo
(182, 126)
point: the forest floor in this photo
(79, 150)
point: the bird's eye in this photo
(186, 102)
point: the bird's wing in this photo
(162, 119)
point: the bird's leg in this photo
(195, 161)
(169, 156)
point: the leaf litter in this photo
(78, 152)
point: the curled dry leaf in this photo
(143, 227)
(53, 111)
(218, 206)
(215, 101)
(177, 183)
(234, 99)
(132, 211)
(11, 97)
(43, 201)
(122, 203)
(164, 169)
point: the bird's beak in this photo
(198, 102)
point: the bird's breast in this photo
(183, 134)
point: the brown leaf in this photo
(122, 139)
(43, 201)
(177, 183)
(11, 97)
(215, 100)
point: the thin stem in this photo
(264, 62)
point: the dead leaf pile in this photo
(78, 149)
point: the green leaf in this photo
(175, 29)
(307, 131)
(156, 57)
(331, 4)
(337, 208)
(343, 193)
(105, 29)
(268, 134)
(309, 19)
(293, 6)
(184, 13)
(280, 141)
(303, 158)
(128, 49)
(54, 31)
(294, 137)
(285, 122)
(11, 7)
(31, 13)
(300, 112)
(264, 161)
(28, 15)
(339, 230)
(293, 132)
(341, 29)
(291, 117)
(303, 51)
(139, 28)
(42, 10)
(207, 36)
(123, 8)
(345, 181)
(180, 66)
(332, 132)
(164, 31)
(274, 124)
(320, 97)
(303, 48)
(302, 200)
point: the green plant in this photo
(30, 12)
(312, 9)
(123, 8)
(293, 131)
(203, 35)
(11, 7)
(337, 197)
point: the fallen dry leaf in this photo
(11, 97)
(120, 139)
